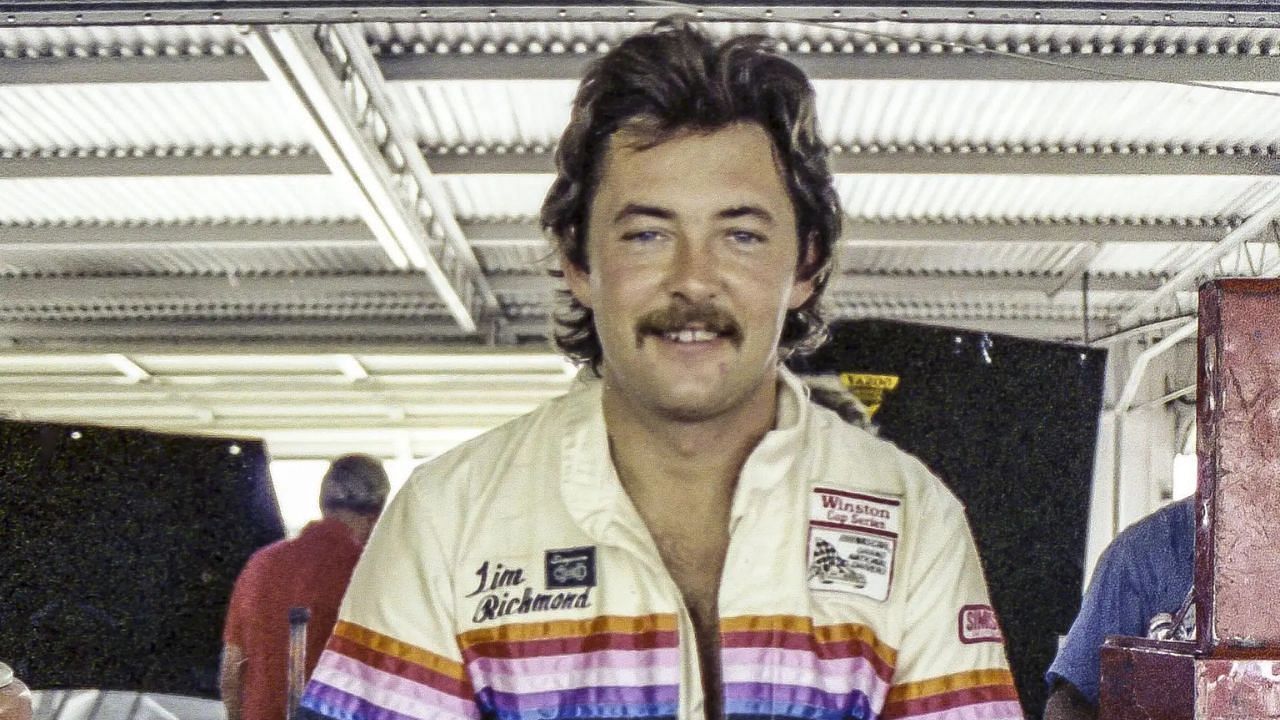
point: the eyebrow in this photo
(754, 211)
(636, 210)
(660, 213)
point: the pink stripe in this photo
(612, 658)
(615, 668)
(779, 666)
(999, 710)
(389, 691)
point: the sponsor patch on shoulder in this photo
(978, 624)
(852, 541)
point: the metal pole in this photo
(297, 671)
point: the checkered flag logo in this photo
(829, 567)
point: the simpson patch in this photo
(978, 624)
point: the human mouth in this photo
(689, 336)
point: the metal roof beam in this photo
(858, 233)
(945, 161)
(456, 256)
(966, 66)
(195, 236)
(419, 335)
(302, 67)
(422, 333)
(862, 233)
(319, 291)
(233, 162)
(325, 335)
(134, 70)
(1267, 213)
(872, 233)
(1050, 328)
(186, 12)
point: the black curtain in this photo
(1010, 425)
(120, 550)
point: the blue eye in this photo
(746, 237)
(643, 236)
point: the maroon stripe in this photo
(836, 650)
(949, 701)
(857, 496)
(853, 528)
(401, 668)
(505, 650)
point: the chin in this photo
(692, 406)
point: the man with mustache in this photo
(689, 536)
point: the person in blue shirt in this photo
(1144, 572)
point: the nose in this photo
(694, 274)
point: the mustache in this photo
(678, 316)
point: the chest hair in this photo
(695, 562)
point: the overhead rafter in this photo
(1267, 212)
(482, 235)
(234, 162)
(186, 294)
(187, 236)
(137, 69)
(456, 257)
(340, 117)
(919, 63)
(185, 12)
(1078, 261)
(249, 336)
(942, 160)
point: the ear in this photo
(803, 287)
(578, 280)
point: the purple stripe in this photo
(334, 703)
(341, 671)
(620, 668)
(788, 694)
(1001, 710)
(646, 640)
(570, 663)
(511, 702)
(800, 667)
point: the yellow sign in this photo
(869, 389)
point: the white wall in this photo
(297, 486)
(1149, 441)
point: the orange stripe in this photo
(390, 646)
(820, 633)
(949, 683)
(556, 629)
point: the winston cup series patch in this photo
(852, 541)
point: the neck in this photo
(358, 524)
(697, 460)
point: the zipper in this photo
(690, 701)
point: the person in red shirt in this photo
(311, 571)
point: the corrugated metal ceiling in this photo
(915, 119)
(161, 116)
(39, 201)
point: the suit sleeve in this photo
(1110, 607)
(393, 654)
(951, 663)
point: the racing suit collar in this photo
(590, 487)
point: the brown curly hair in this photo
(671, 79)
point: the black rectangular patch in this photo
(571, 567)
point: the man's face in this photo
(692, 252)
